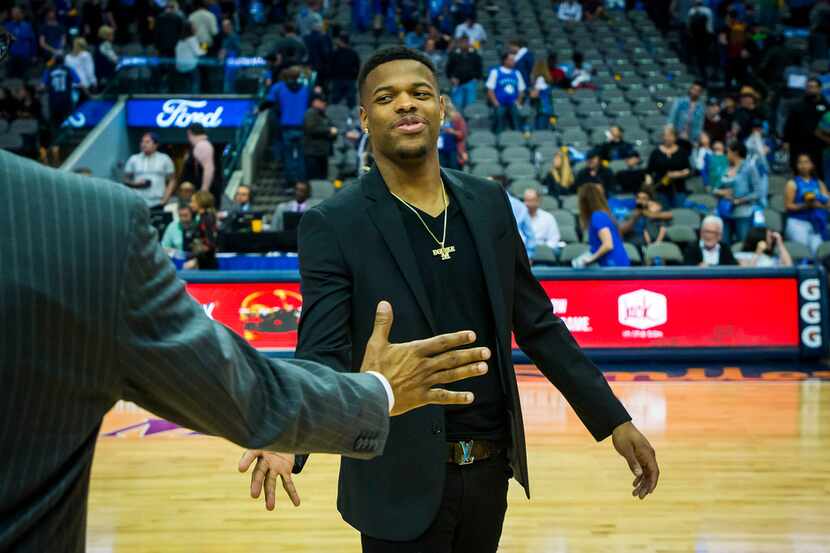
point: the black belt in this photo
(468, 452)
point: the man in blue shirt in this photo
(290, 99)
(52, 35)
(23, 51)
(505, 89)
(522, 217)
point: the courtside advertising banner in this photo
(786, 313)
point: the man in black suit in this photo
(710, 251)
(92, 312)
(445, 248)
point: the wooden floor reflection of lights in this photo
(745, 469)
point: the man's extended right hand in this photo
(413, 368)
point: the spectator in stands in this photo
(739, 192)
(747, 113)
(522, 217)
(700, 28)
(734, 38)
(595, 171)
(710, 251)
(200, 165)
(80, 60)
(716, 165)
(728, 108)
(631, 179)
(145, 18)
(185, 192)
(59, 81)
(801, 125)
(23, 51)
(505, 90)
(52, 35)
(123, 14)
(688, 113)
(541, 93)
(188, 52)
(452, 144)
(464, 68)
(203, 245)
(581, 74)
(823, 134)
(416, 38)
(560, 178)
(473, 30)
(545, 229)
(760, 247)
(345, 66)
(524, 58)
(442, 40)
(669, 168)
(93, 17)
(319, 135)
(616, 148)
(241, 204)
(151, 173)
(307, 17)
(647, 222)
(557, 74)
(105, 59)
(178, 235)
(291, 48)
(807, 201)
(820, 29)
(569, 11)
(606, 245)
(319, 48)
(205, 26)
(437, 57)
(168, 29)
(229, 45)
(290, 99)
(300, 204)
(701, 152)
(713, 124)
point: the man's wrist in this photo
(390, 395)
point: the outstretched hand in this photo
(269, 465)
(638, 453)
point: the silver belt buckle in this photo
(467, 457)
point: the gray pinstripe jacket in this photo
(91, 311)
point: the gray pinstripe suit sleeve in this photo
(189, 369)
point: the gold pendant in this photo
(444, 252)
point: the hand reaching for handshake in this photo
(413, 369)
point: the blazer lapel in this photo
(479, 225)
(387, 218)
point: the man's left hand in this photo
(634, 447)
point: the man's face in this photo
(402, 109)
(318, 104)
(243, 195)
(186, 192)
(185, 216)
(710, 233)
(227, 27)
(712, 110)
(510, 61)
(429, 46)
(695, 91)
(748, 101)
(17, 14)
(593, 162)
(632, 161)
(813, 89)
(147, 145)
(531, 201)
(301, 192)
(616, 134)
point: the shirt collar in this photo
(715, 249)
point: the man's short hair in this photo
(714, 220)
(532, 191)
(393, 53)
(699, 83)
(197, 129)
(153, 136)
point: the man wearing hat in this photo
(595, 171)
(320, 133)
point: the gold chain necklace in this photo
(443, 251)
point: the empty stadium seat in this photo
(707, 200)
(571, 252)
(481, 138)
(774, 220)
(667, 252)
(544, 255)
(568, 234)
(515, 154)
(511, 138)
(564, 217)
(688, 217)
(633, 253)
(548, 203)
(681, 234)
(798, 251)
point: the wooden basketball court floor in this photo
(745, 469)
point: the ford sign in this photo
(180, 113)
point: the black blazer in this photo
(354, 252)
(694, 255)
(91, 312)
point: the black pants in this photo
(470, 517)
(316, 167)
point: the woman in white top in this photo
(759, 250)
(81, 61)
(570, 10)
(188, 52)
(106, 60)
